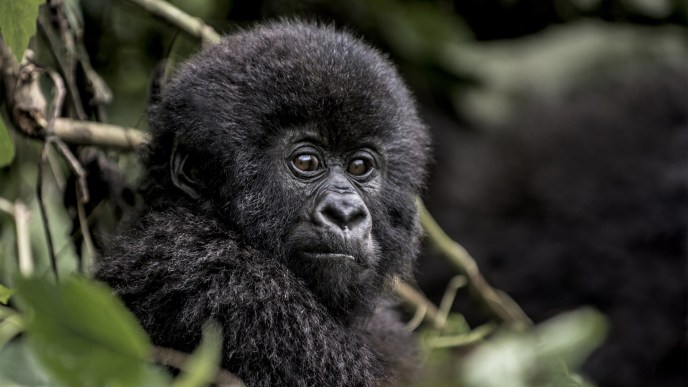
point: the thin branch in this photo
(27, 107)
(417, 301)
(178, 18)
(44, 215)
(99, 134)
(72, 161)
(474, 336)
(505, 308)
(6, 206)
(172, 358)
(454, 285)
(53, 25)
(85, 231)
(417, 318)
(21, 217)
(58, 98)
(56, 171)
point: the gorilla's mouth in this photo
(329, 256)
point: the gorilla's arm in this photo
(175, 270)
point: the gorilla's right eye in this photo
(306, 162)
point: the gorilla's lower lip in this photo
(329, 256)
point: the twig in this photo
(6, 206)
(62, 46)
(454, 285)
(172, 358)
(58, 99)
(44, 215)
(56, 171)
(72, 161)
(473, 337)
(98, 134)
(506, 309)
(178, 18)
(21, 217)
(416, 300)
(85, 232)
(417, 318)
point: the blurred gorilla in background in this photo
(582, 201)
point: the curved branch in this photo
(178, 18)
(172, 358)
(416, 301)
(503, 306)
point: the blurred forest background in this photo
(561, 165)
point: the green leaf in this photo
(19, 367)
(82, 334)
(202, 366)
(18, 23)
(546, 356)
(572, 336)
(10, 327)
(5, 294)
(6, 145)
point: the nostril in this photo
(335, 215)
(343, 214)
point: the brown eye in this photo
(358, 167)
(306, 162)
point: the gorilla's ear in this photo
(184, 173)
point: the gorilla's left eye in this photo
(359, 166)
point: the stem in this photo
(505, 308)
(417, 301)
(178, 18)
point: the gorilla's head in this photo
(306, 144)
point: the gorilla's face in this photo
(305, 143)
(331, 244)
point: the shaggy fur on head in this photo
(222, 255)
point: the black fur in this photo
(224, 254)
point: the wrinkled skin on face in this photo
(284, 166)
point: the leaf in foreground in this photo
(83, 335)
(547, 356)
(19, 367)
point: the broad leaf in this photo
(83, 335)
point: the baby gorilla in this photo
(279, 195)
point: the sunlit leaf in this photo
(546, 356)
(5, 294)
(572, 336)
(18, 23)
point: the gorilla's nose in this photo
(343, 213)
